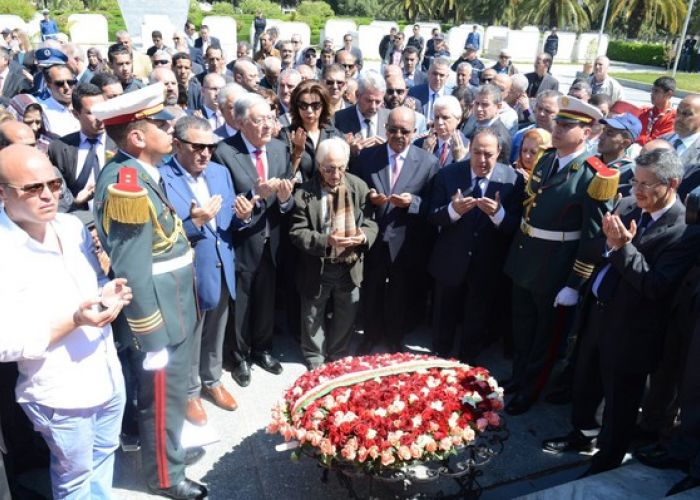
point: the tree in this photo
(666, 14)
(569, 13)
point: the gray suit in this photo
(691, 155)
(347, 121)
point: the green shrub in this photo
(222, 9)
(637, 52)
(315, 9)
(20, 8)
(268, 8)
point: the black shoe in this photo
(518, 405)
(685, 484)
(574, 441)
(365, 346)
(184, 490)
(658, 457)
(560, 396)
(193, 455)
(265, 361)
(129, 442)
(510, 386)
(241, 374)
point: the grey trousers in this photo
(208, 345)
(326, 339)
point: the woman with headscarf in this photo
(535, 142)
(27, 110)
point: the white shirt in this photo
(215, 118)
(429, 111)
(3, 78)
(363, 125)
(254, 159)
(39, 285)
(83, 150)
(565, 160)
(60, 117)
(199, 188)
(496, 218)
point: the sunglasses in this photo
(198, 147)
(37, 188)
(161, 62)
(61, 83)
(397, 131)
(336, 83)
(348, 66)
(395, 91)
(309, 105)
(487, 79)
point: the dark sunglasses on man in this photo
(60, 83)
(198, 147)
(37, 188)
(395, 91)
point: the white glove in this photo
(567, 296)
(156, 360)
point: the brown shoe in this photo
(195, 412)
(221, 397)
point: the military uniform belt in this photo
(167, 266)
(544, 234)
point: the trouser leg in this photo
(313, 319)
(588, 384)
(447, 313)
(107, 426)
(211, 358)
(346, 299)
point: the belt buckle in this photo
(525, 228)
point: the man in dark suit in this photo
(260, 167)
(199, 189)
(540, 79)
(488, 101)
(435, 87)
(366, 119)
(205, 40)
(646, 249)
(477, 204)
(411, 72)
(227, 102)
(81, 155)
(398, 175)
(12, 79)
(686, 136)
(182, 67)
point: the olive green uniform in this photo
(146, 244)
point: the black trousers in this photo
(162, 402)
(255, 308)
(537, 331)
(622, 387)
(386, 297)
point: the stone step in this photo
(631, 481)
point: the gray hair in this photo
(664, 164)
(519, 82)
(439, 61)
(333, 144)
(547, 94)
(244, 44)
(450, 103)
(241, 65)
(121, 33)
(370, 80)
(186, 123)
(466, 65)
(227, 91)
(490, 90)
(245, 102)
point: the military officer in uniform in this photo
(619, 133)
(143, 236)
(550, 259)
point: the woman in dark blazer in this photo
(311, 115)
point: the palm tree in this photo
(411, 9)
(667, 14)
(570, 13)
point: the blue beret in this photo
(50, 57)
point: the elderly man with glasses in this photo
(332, 226)
(58, 107)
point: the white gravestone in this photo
(271, 23)
(426, 30)
(386, 26)
(287, 29)
(523, 44)
(223, 28)
(369, 38)
(587, 49)
(89, 30)
(134, 12)
(495, 39)
(456, 38)
(336, 29)
(153, 23)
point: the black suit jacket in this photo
(405, 230)
(63, 153)
(213, 42)
(15, 83)
(650, 268)
(472, 247)
(347, 121)
(548, 83)
(249, 242)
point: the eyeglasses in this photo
(399, 131)
(60, 83)
(641, 186)
(263, 120)
(332, 170)
(161, 62)
(37, 188)
(198, 147)
(487, 80)
(309, 105)
(348, 66)
(336, 83)
(395, 91)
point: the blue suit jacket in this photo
(213, 250)
(422, 94)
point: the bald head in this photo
(503, 82)
(656, 144)
(392, 70)
(14, 132)
(404, 115)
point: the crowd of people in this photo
(184, 208)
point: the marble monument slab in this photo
(224, 28)
(369, 37)
(135, 11)
(523, 44)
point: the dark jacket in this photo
(307, 164)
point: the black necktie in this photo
(642, 225)
(476, 190)
(677, 143)
(554, 169)
(369, 127)
(91, 165)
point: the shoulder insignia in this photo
(575, 166)
(126, 202)
(604, 185)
